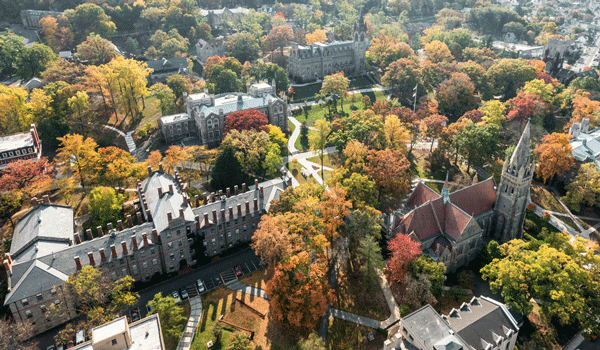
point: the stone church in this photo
(452, 228)
(315, 61)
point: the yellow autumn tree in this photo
(316, 37)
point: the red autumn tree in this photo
(250, 119)
(457, 95)
(475, 116)
(299, 291)
(525, 106)
(555, 155)
(432, 127)
(404, 250)
(28, 176)
(389, 169)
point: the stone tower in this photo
(360, 42)
(512, 195)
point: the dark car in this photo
(237, 270)
(135, 315)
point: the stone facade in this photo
(20, 146)
(208, 113)
(452, 228)
(315, 61)
(216, 18)
(210, 48)
(31, 18)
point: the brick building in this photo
(20, 146)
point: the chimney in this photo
(255, 204)
(8, 257)
(91, 257)
(230, 212)
(99, 229)
(78, 263)
(214, 216)
(160, 167)
(77, 238)
(197, 218)
(34, 202)
(223, 215)
(155, 236)
(139, 218)
(149, 170)
(185, 202)
(124, 246)
(235, 190)
(171, 188)
(244, 187)
(197, 200)
(262, 193)
(220, 194)
(120, 224)
(113, 250)
(8, 267)
(180, 213)
(228, 192)
(148, 215)
(134, 242)
(145, 238)
(88, 232)
(290, 181)
(46, 199)
(256, 184)
(160, 191)
(169, 216)
(212, 197)
(109, 226)
(247, 207)
(205, 219)
(102, 255)
(239, 206)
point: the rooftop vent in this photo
(112, 233)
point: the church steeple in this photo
(446, 191)
(512, 195)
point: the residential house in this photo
(164, 68)
(210, 48)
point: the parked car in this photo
(51, 347)
(175, 296)
(201, 287)
(238, 270)
(79, 337)
(149, 308)
(135, 314)
(60, 347)
(184, 294)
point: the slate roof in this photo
(432, 331)
(169, 202)
(42, 226)
(485, 319)
(271, 190)
(26, 281)
(166, 65)
(586, 146)
(231, 103)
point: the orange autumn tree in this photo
(272, 241)
(334, 208)
(583, 107)
(555, 155)
(299, 291)
(389, 170)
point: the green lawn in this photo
(318, 111)
(152, 107)
(329, 161)
(214, 304)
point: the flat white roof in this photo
(175, 118)
(109, 330)
(145, 334)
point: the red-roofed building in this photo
(452, 228)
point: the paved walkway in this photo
(391, 301)
(560, 225)
(190, 329)
(348, 316)
(242, 287)
(127, 136)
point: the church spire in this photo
(520, 156)
(446, 191)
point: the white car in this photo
(184, 294)
(200, 286)
(175, 296)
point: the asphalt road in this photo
(210, 274)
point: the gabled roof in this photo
(432, 331)
(231, 103)
(44, 223)
(166, 203)
(475, 199)
(170, 64)
(38, 278)
(421, 195)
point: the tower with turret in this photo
(512, 195)
(360, 42)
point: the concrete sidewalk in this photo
(242, 287)
(190, 329)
